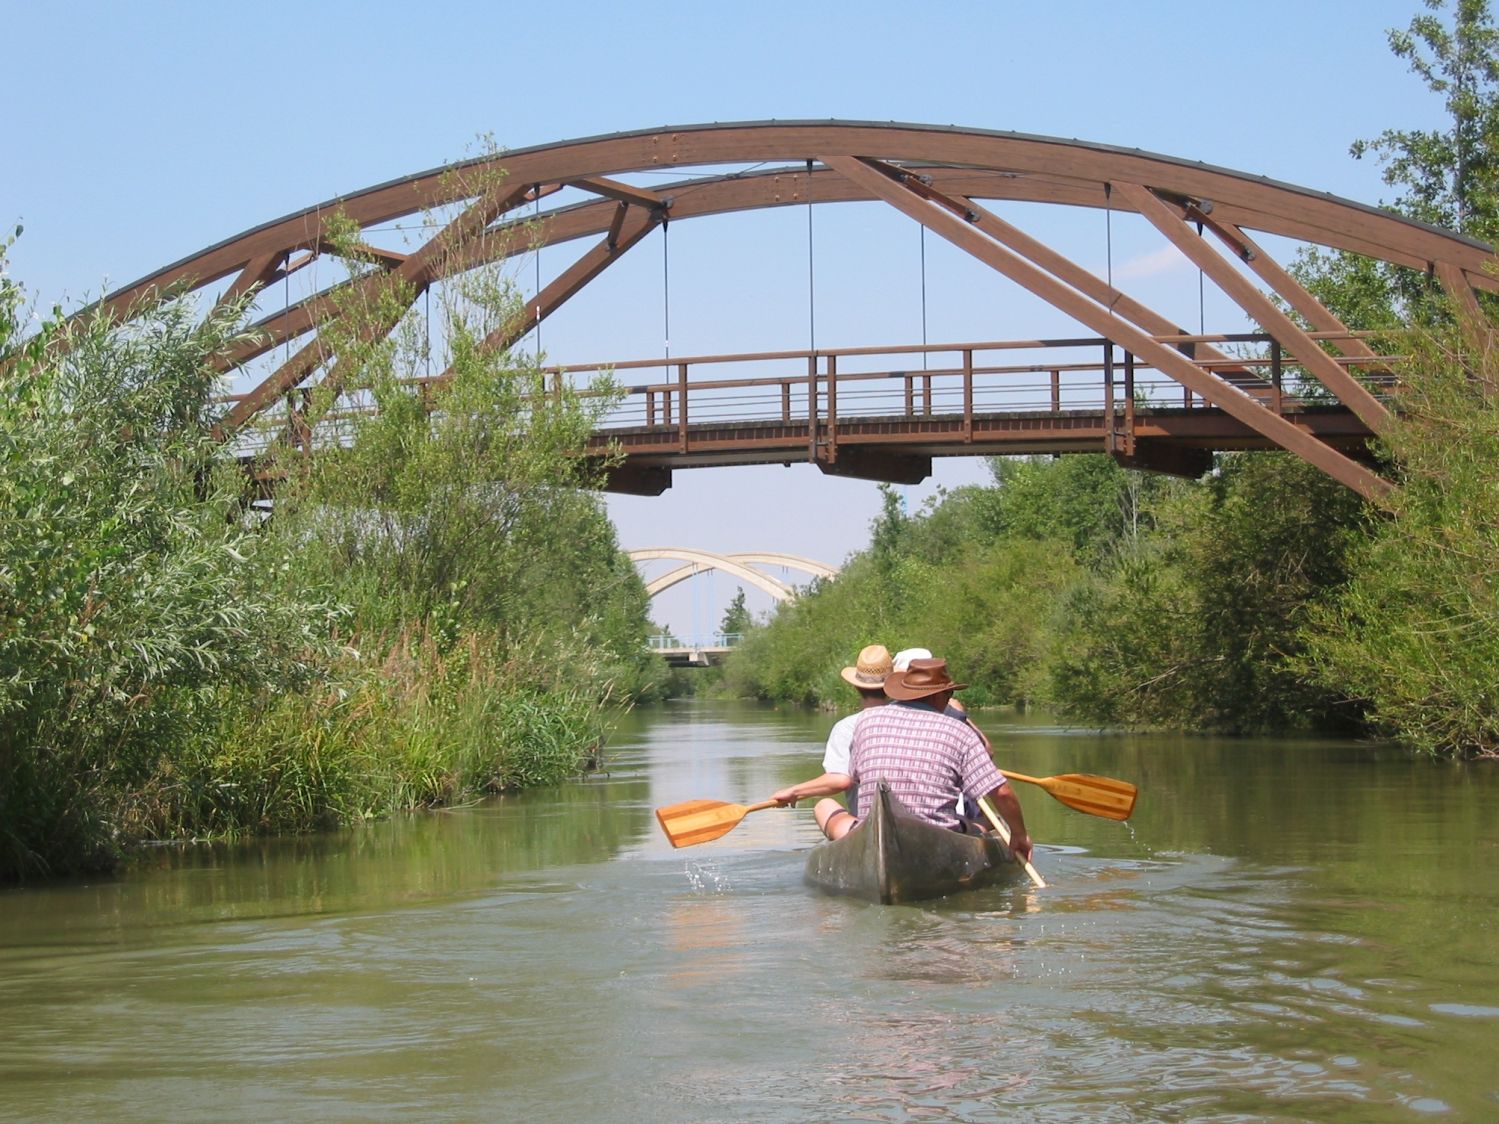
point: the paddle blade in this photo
(1095, 796)
(698, 821)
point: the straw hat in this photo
(921, 680)
(869, 671)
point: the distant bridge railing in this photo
(668, 642)
(694, 653)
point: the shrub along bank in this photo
(401, 631)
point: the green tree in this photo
(1414, 636)
(464, 505)
(736, 618)
(1086, 501)
(1200, 626)
(1448, 176)
(134, 590)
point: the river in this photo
(1288, 929)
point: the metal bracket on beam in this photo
(1172, 460)
(637, 479)
(877, 464)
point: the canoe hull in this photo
(894, 857)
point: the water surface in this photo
(1286, 930)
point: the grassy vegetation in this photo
(437, 612)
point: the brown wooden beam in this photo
(1159, 456)
(257, 273)
(1283, 285)
(874, 464)
(415, 271)
(1275, 322)
(363, 251)
(1471, 321)
(1040, 168)
(624, 192)
(1099, 319)
(572, 279)
(637, 479)
(1088, 283)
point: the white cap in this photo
(903, 658)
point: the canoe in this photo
(895, 857)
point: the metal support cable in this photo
(811, 277)
(1201, 330)
(924, 356)
(536, 192)
(666, 288)
(1108, 235)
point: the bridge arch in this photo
(936, 175)
(740, 565)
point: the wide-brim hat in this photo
(869, 671)
(921, 680)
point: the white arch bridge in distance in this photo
(741, 565)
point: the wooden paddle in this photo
(698, 821)
(1003, 830)
(1096, 796)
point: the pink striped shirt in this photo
(927, 758)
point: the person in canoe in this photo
(966, 808)
(867, 676)
(928, 759)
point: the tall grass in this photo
(429, 725)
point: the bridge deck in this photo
(888, 421)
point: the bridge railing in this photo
(947, 379)
(666, 642)
(814, 389)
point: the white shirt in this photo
(840, 740)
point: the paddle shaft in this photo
(1004, 835)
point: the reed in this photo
(425, 727)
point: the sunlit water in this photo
(1287, 930)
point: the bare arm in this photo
(1008, 806)
(825, 785)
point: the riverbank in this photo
(436, 610)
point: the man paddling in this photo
(926, 757)
(867, 676)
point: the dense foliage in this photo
(1110, 596)
(1415, 635)
(435, 608)
(132, 591)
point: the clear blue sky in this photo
(142, 132)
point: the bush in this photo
(132, 587)
(1414, 635)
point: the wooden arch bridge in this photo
(1131, 382)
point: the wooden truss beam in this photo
(1276, 323)
(1054, 291)
(415, 272)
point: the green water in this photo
(1296, 930)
